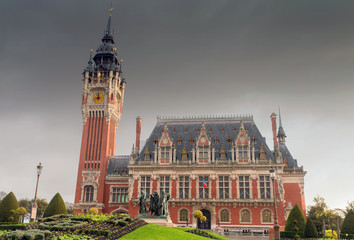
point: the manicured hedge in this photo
(63, 225)
(55, 207)
(310, 229)
(295, 214)
(13, 227)
(8, 203)
(290, 234)
(32, 234)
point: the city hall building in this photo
(226, 153)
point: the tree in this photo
(295, 214)
(348, 223)
(55, 207)
(350, 207)
(41, 205)
(20, 212)
(8, 203)
(2, 195)
(310, 229)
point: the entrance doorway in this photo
(207, 224)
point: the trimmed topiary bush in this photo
(295, 214)
(348, 223)
(310, 229)
(93, 211)
(55, 207)
(7, 204)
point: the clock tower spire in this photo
(102, 102)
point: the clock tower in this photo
(102, 102)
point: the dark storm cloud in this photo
(180, 58)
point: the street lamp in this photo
(276, 226)
(34, 206)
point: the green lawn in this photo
(157, 232)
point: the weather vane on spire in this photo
(110, 10)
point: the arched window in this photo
(245, 216)
(183, 215)
(89, 193)
(224, 215)
(266, 216)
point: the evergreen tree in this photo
(348, 223)
(8, 203)
(310, 229)
(55, 207)
(295, 214)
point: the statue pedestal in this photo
(159, 220)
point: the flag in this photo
(204, 184)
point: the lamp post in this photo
(276, 226)
(34, 206)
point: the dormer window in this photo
(186, 130)
(242, 152)
(262, 154)
(210, 130)
(203, 152)
(155, 140)
(216, 140)
(147, 154)
(222, 129)
(235, 129)
(184, 154)
(228, 140)
(254, 139)
(116, 171)
(124, 171)
(174, 130)
(179, 141)
(191, 141)
(198, 130)
(222, 153)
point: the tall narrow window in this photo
(266, 216)
(165, 153)
(183, 187)
(242, 152)
(216, 140)
(119, 194)
(228, 140)
(244, 186)
(262, 153)
(183, 215)
(203, 152)
(224, 187)
(164, 184)
(145, 184)
(179, 141)
(203, 187)
(245, 216)
(264, 186)
(89, 190)
(224, 215)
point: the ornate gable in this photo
(203, 139)
(242, 137)
(165, 140)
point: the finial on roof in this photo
(89, 65)
(281, 133)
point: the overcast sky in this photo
(181, 58)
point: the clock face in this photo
(97, 98)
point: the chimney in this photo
(138, 130)
(274, 128)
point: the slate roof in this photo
(222, 127)
(118, 162)
(287, 157)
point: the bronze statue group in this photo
(158, 204)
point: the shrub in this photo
(310, 229)
(122, 223)
(62, 225)
(331, 234)
(29, 234)
(348, 223)
(197, 214)
(203, 219)
(93, 211)
(13, 227)
(55, 207)
(295, 214)
(7, 204)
